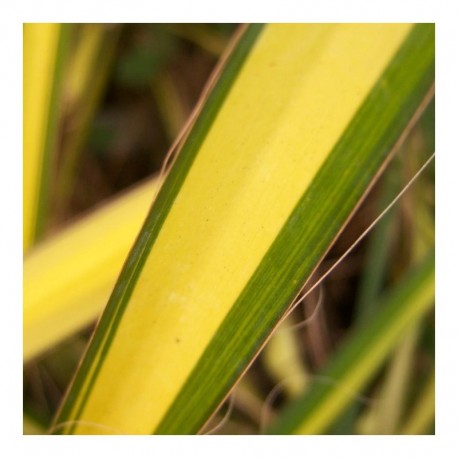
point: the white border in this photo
(441, 12)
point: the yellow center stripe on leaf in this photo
(291, 102)
(83, 262)
(40, 50)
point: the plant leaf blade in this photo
(231, 238)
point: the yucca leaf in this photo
(83, 262)
(362, 354)
(45, 47)
(299, 122)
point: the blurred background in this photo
(127, 91)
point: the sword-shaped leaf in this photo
(298, 124)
